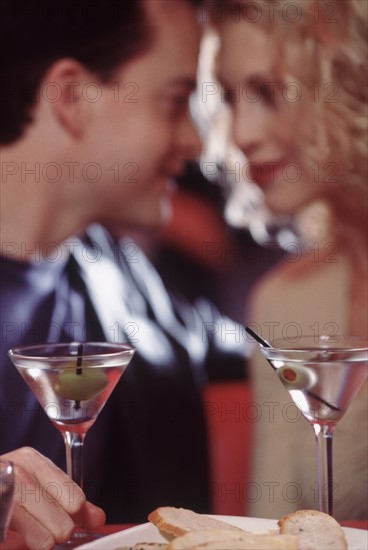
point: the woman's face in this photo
(267, 120)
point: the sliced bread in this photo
(315, 530)
(178, 521)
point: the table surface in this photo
(115, 528)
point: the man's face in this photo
(142, 133)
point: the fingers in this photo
(93, 517)
(39, 513)
(47, 504)
(31, 533)
(36, 535)
(13, 541)
(53, 484)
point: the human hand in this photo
(48, 505)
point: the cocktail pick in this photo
(79, 370)
(79, 359)
(260, 340)
(266, 344)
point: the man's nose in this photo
(190, 140)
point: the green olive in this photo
(79, 387)
(296, 377)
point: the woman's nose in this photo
(244, 127)
(252, 126)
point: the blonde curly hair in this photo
(321, 47)
(331, 40)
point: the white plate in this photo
(357, 538)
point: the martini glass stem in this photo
(74, 456)
(74, 468)
(324, 439)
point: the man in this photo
(96, 124)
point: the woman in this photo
(294, 75)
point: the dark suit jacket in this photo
(148, 446)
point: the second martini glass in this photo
(72, 382)
(323, 375)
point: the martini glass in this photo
(72, 382)
(323, 375)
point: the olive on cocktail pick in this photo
(79, 387)
(296, 377)
(80, 384)
(290, 374)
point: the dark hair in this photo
(101, 34)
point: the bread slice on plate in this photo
(219, 539)
(315, 530)
(302, 530)
(178, 521)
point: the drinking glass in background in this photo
(6, 495)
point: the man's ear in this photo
(64, 89)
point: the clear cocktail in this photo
(72, 382)
(323, 375)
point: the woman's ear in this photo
(64, 89)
